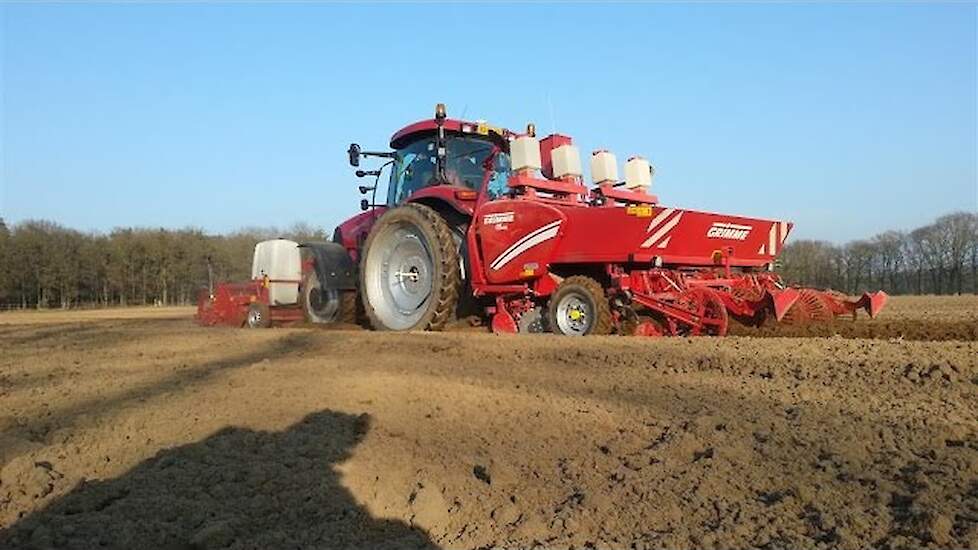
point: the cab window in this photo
(414, 165)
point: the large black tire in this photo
(419, 240)
(585, 296)
(259, 316)
(334, 306)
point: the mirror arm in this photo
(381, 154)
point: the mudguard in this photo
(333, 264)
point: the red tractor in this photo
(485, 220)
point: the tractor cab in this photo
(448, 158)
(471, 159)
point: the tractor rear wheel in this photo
(409, 271)
(259, 316)
(329, 306)
(579, 307)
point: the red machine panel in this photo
(517, 238)
(686, 237)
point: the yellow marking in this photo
(639, 210)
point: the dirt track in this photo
(137, 429)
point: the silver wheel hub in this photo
(398, 276)
(574, 315)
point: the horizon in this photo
(284, 230)
(229, 116)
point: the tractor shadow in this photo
(238, 488)
(36, 428)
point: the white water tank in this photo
(604, 167)
(638, 174)
(280, 261)
(566, 161)
(524, 153)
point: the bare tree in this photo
(889, 258)
(953, 236)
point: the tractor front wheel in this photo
(579, 307)
(409, 271)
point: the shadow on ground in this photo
(236, 489)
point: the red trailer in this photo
(270, 298)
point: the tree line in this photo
(46, 265)
(938, 258)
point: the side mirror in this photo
(354, 152)
(364, 204)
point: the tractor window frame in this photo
(414, 164)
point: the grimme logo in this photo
(733, 231)
(499, 217)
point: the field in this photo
(137, 429)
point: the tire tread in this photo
(603, 320)
(446, 289)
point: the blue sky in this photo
(847, 119)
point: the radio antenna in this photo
(553, 119)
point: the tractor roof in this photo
(428, 126)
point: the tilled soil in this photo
(937, 330)
(930, 318)
(144, 431)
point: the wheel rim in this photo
(575, 315)
(323, 305)
(254, 318)
(399, 275)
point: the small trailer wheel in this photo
(259, 316)
(579, 307)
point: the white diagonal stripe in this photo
(659, 219)
(526, 237)
(665, 242)
(772, 240)
(536, 238)
(662, 231)
(784, 231)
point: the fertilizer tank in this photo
(280, 262)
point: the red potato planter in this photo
(483, 220)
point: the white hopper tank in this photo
(281, 262)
